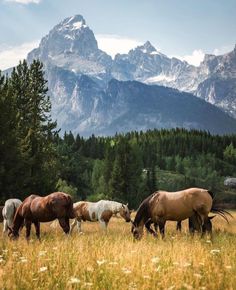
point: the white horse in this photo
(8, 213)
(101, 211)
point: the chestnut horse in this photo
(36, 209)
(162, 206)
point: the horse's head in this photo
(13, 235)
(136, 231)
(125, 212)
(207, 226)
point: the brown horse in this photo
(36, 209)
(175, 206)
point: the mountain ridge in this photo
(80, 74)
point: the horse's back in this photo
(54, 205)
(180, 205)
(10, 207)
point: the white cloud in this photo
(195, 58)
(113, 44)
(197, 55)
(25, 2)
(11, 55)
(223, 49)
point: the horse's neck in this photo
(18, 221)
(142, 215)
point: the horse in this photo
(175, 206)
(8, 212)
(36, 209)
(101, 211)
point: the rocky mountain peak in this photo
(148, 48)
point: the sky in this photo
(186, 29)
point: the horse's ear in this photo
(123, 205)
(211, 217)
(127, 204)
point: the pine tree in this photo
(35, 127)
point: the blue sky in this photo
(184, 28)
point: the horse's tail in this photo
(219, 210)
(70, 209)
(222, 212)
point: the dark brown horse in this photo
(36, 209)
(175, 206)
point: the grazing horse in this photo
(175, 206)
(8, 212)
(36, 209)
(100, 211)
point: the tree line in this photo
(36, 158)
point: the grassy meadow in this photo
(112, 260)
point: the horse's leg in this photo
(65, 224)
(191, 225)
(179, 226)
(28, 229)
(103, 224)
(5, 226)
(149, 229)
(162, 228)
(37, 229)
(72, 226)
(78, 221)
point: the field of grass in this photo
(112, 260)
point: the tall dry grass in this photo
(112, 260)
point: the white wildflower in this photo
(43, 269)
(42, 253)
(155, 260)
(101, 262)
(126, 270)
(113, 263)
(88, 284)
(215, 251)
(74, 280)
(186, 265)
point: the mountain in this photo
(219, 88)
(146, 64)
(214, 80)
(91, 93)
(81, 105)
(71, 45)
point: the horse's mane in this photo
(143, 212)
